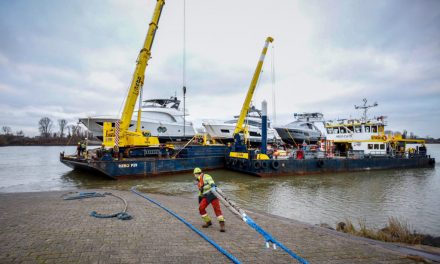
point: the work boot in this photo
(207, 224)
(222, 226)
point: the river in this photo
(411, 195)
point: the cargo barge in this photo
(159, 163)
(275, 167)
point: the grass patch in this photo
(395, 231)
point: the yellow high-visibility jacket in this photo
(205, 182)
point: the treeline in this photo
(50, 134)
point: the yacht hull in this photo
(224, 132)
(164, 131)
(296, 136)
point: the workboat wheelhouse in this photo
(368, 137)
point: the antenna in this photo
(184, 68)
(365, 107)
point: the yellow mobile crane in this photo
(239, 149)
(120, 136)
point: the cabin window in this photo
(367, 129)
(225, 131)
(343, 130)
(376, 146)
(382, 146)
(357, 129)
(350, 128)
(329, 131)
(374, 129)
(335, 130)
(370, 146)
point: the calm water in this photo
(412, 195)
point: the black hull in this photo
(206, 157)
(269, 168)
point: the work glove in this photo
(213, 188)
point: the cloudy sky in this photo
(70, 59)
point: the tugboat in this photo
(350, 145)
(137, 153)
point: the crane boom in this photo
(121, 136)
(139, 73)
(245, 108)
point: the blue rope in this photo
(271, 239)
(227, 254)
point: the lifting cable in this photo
(227, 254)
(242, 214)
(288, 132)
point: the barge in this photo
(275, 167)
(158, 163)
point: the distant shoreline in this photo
(13, 140)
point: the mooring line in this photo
(212, 242)
(242, 214)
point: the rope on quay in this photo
(121, 215)
(242, 214)
(227, 254)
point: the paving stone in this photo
(44, 228)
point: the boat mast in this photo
(365, 107)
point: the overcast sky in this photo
(71, 59)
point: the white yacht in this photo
(306, 128)
(162, 117)
(223, 130)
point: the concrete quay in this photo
(43, 228)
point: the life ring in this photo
(275, 164)
(257, 164)
(320, 163)
(384, 138)
(264, 164)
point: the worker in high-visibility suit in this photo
(206, 184)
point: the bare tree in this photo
(69, 133)
(20, 133)
(45, 126)
(6, 130)
(62, 123)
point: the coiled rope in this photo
(121, 215)
(227, 254)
